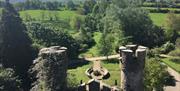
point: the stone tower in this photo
(132, 66)
(50, 69)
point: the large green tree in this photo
(15, 45)
(135, 22)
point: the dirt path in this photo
(102, 58)
(176, 77)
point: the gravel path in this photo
(102, 58)
(177, 78)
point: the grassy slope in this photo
(175, 66)
(113, 68)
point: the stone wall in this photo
(96, 85)
(50, 69)
(132, 66)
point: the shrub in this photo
(8, 80)
(71, 82)
(175, 53)
(178, 43)
(168, 47)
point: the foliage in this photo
(8, 80)
(175, 53)
(71, 82)
(136, 23)
(166, 48)
(85, 39)
(15, 46)
(178, 43)
(76, 22)
(47, 36)
(88, 6)
(70, 5)
(105, 44)
(173, 23)
(38, 4)
(154, 81)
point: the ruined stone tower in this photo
(50, 69)
(132, 66)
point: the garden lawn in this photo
(113, 68)
(174, 65)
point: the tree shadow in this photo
(170, 81)
(73, 64)
(113, 61)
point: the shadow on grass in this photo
(113, 61)
(73, 64)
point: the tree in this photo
(8, 80)
(15, 45)
(46, 36)
(135, 22)
(70, 5)
(88, 6)
(173, 24)
(105, 46)
(152, 80)
(75, 22)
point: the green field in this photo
(159, 19)
(37, 14)
(113, 68)
(174, 65)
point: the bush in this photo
(168, 47)
(175, 53)
(71, 82)
(178, 43)
(8, 80)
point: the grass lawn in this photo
(174, 65)
(37, 14)
(113, 68)
(159, 19)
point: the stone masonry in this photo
(132, 66)
(50, 69)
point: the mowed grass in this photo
(113, 68)
(174, 65)
(159, 19)
(37, 14)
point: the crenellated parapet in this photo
(132, 66)
(50, 69)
